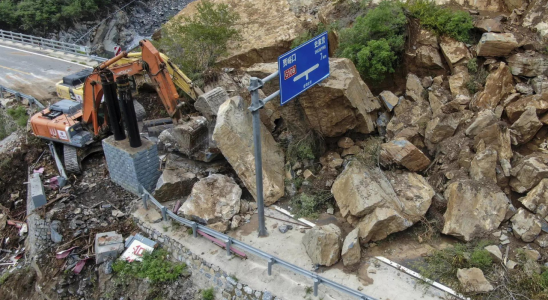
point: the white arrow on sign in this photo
(305, 73)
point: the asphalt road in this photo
(32, 73)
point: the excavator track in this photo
(72, 161)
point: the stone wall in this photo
(204, 274)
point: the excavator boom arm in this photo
(162, 72)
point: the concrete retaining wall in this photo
(205, 275)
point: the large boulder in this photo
(537, 199)
(473, 281)
(400, 151)
(389, 99)
(455, 52)
(386, 203)
(213, 199)
(341, 102)
(498, 86)
(267, 29)
(516, 108)
(497, 136)
(489, 25)
(540, 84)
(482, 120)
(528, 172)
(323, 244)
(526, 226)
(442, 127)
(473, 209)
(409, 114)
(351, 249)
(496, 44)
(458, 83)
(535, 18)
(174, 184)
(234, 136)
(358, 190)
(414, 88)
(528, 64)
(483, 166)
(423, 52)
(525, 128)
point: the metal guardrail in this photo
(48, 44)
(230, 242)
(20, 96)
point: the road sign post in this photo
(299, 70)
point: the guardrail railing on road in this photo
(20, 96)
(230, 242)
(43, 43)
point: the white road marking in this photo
(38, 54)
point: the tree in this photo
(196, 42)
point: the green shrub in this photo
(19, 114)
(376, 40)
(481, 258)
(309, 205)
(195, 43)
(208, 294)
(443, 21)
(154, 266)
(307, 147)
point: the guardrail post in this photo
(18, 97)
(271, 262)
(145, 198)
(316, 284)
(194, 229)
(228, 245)
(1, 92)
(164, 213)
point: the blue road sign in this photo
(303, 67)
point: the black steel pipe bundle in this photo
(126, 104)
(111, 99)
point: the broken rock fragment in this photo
(537, 199)
(473, 209)
(323, 244)
(402, 152)
(174, 184)
(473, 280)
(213, 199)
(496, 44)
(526, 225)
(351, 249)
(528, 172)
(525, 128)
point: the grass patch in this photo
(443, 21)
(208, 294)
(376, 40)
(308, 205)
(442, 266)
(478, 76)
(19, 114)
(307, 147)
(4, 278)
(155, 266)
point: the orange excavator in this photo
(76, 124)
